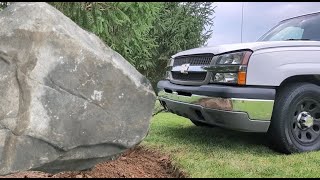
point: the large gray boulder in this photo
(67, 101)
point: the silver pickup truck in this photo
(270, 86)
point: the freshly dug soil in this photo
(138, 162)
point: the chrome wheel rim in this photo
(305, 125)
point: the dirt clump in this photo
(138, 162)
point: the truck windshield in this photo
(300, 28)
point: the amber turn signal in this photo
(242, 78)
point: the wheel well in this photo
(314, 79)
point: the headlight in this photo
(231, 58)
(169, 66)
(230, 68)
(170, 62)
(226, 77)
(167, 76)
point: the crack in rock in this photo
(76, 102)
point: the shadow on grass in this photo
(209, 135)
(207, 138)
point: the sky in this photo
(258, 18)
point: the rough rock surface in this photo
(67, 101)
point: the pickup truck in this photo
(270, 86)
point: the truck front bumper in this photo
(246, 109)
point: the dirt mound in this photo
(139, 162)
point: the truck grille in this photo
(193, 60)
(194, 76)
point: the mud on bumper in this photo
(239, 108)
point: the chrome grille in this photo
(194, 74)
(193, 60)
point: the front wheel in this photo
(295, 124)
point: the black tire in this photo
(198, 123)
(286, 133)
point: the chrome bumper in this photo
(256, 109)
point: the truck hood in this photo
(254, 46)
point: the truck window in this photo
(304, 27)
(288, 33)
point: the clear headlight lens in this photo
(167, 75)
(231, 58)
(231, 68)
(170, 62)
(226, 77)
(169, 65)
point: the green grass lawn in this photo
(216, 152)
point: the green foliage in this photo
(179, 26)
(144, 33)
(124, 26)
(3, 5)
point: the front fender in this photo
(270, 67)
